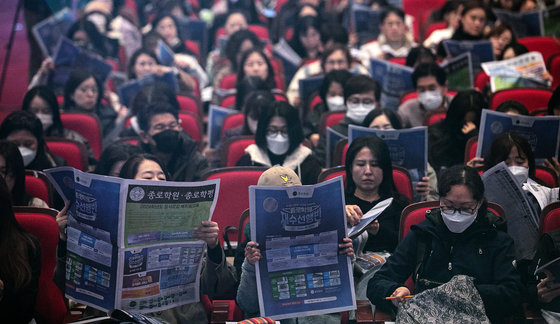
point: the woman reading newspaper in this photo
(217, 276)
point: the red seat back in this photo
(533, 99)
(232, 121)
(403, 182)
(470, 148)
(546, 45)
(554, 69)
(192, 125)
(189, 105)
(233, 197)
(73, 152)
(481, 80)
(228, 81)
(546, 175)
(434, 118)
(234, 148)
(330, 119)
(414, 214)
(331, 173)
(38, 185)
(42, 224)
(228, 102)
(550, 218)
(398, 60)
(193, 47)
(86, 125)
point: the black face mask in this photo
(167, 141)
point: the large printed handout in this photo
(521, 71)
(522, 221)
(129, 90)
(68, 57)
(130, 243)
(291, 61)
(481, 51)
(524, 24)
(459, 71)
(48, 32)
(365, 22)
(298, 230)
(216, 117)
(394, 79)
(408, 147)
(542, 132)
(333, 137)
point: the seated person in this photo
(419, 55)
(255, 63)
(247, 297)
(42, 102)
(369, 180)
(331, 93)
(13, 172)
(512, 107)
(460, 238)
(306, 41)
(25, 130)
(516, 152)
(217, 276)
(501, 36)
(335, 57)
(394, 39)
(450, 13)
(430, 83)
(161, 134)
(113, 157)
(447, 138)
(20, 267)
(361, 95)
(278, 141)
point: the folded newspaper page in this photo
(504, 74)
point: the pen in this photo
(407, 296)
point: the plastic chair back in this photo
(234, 148)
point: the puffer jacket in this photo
(483, 251)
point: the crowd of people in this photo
(462, 237)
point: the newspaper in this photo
(522, 220)
(49, 31)
(524, 24)
(369, 217)
(333, 137)
(298, 229)
(130, 242)
(529, 66)
(542, 132)
(459, 71)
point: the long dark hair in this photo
(380, 151)
(463, 103)
(233, 45)
(255, 103)
(49, 97)
(114, 153)
(241, 71)
(303, 24)
(15, 168)
(25, 120)
(285, 110)
(96, 39)
(15, 243)
(130, 167)
(74, 80)
(246, 86)
(501, 147)
(134, 58)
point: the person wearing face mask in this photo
(42, 102)
(361, 95)
(516, 152)
(430, 83)
(161, 134)
(461, 237)
(331, 93)
(13, 173)
(278, 141)
(25, 130)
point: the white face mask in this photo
(430, 99)
(46, 120)
(336, 103)
(278, 143)
(28, 155)
(358, 112)
(458, 222)
(520, 173)
(252, 124)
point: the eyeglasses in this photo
(275, 130)
(171, 125)
(450, 209)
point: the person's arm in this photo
(393, 273)
(247, 296)
(505, 291)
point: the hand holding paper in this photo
(208, 232)
(369, 217)
(252, 252)
(353, 214)
(346, 247)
